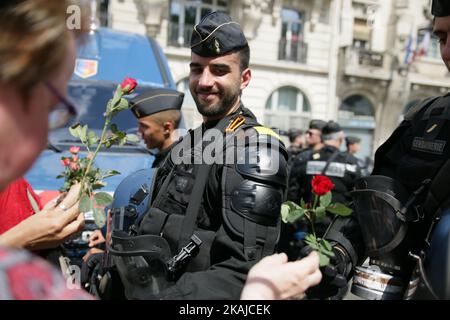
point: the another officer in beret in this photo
(314, 134)
(158, 113)
(353, 144)
(221, 216)
(297, 140)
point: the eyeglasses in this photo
(310, 133)
(63, 112)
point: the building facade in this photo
(361, 62)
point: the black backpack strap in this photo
(330, 159)
(438, 196)
(198, 190)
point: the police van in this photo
(104, 59)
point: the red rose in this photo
(74, 150)
(65, 162)
(128, 85)
(321, 185)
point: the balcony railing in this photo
(296, 51)
(286, 120)
(367, 63)
(364, 57)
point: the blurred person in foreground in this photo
(37, 57)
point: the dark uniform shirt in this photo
(160, 156)
(228, 213)
(342, 171)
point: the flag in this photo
(424, 45)
(410, 52)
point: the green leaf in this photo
(132, 138)
(324, 260)
(75, 130)
(103, 198)
(85, 204)
(302, 203)
(311, 240)
(114, 128)
(98, 185)
(320, 213)
(99, 217)
(295, 215)
(326, 245)
(111, 173)
(339, 209)
(122, 105)
(292, 205)
(83, 134)
(285, 209)
(325, 200)
(60, 176)
(92, 138)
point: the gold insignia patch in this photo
(267, 131)
(432, 128)
(236, 123)
(216, 43)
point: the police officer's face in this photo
(313, 137)
(152, 133)
(354, 148)
(441, 30)
(216, 84)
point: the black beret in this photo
(317, 124)
(440, 8)
(217, 34)
(330, 128)
(294, 133)
(352, 139)
(156, 100)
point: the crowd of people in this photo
(213, 230)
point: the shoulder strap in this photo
(330, 159)
(419, 107)
(198, 190)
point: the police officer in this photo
(341, 168)
(158, 114)
(215, 219)
(353, 145)
(405, 200)
(313, 136)
(297, 140)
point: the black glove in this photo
(334, 283)
(90, 269)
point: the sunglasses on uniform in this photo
(63, 112)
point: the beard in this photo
(226, 102)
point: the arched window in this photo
(287, 108)
(191, 116)
(357, 106)
(357, 118)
